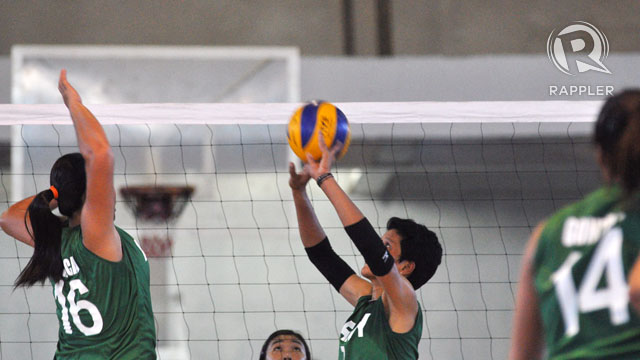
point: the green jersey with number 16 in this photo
(104, 307)
(581, 265)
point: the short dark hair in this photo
(275, 334)
(419, 245)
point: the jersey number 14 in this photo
(607, 261)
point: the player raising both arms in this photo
(579, 291)
(99, 274)
(387, 321)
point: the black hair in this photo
(419, 245)
(69, 178)
(617, 134)
(265, 346)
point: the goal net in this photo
(479, 174)
(157, 74)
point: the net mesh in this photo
(237, 270)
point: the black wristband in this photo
(332, 267)
(368, 242)
(323, 177)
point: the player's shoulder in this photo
(123, 233)
(70, 237)
(596, 203)
(365, 300)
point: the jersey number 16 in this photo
(75, 307)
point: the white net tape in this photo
(367, 113)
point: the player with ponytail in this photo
(99, 274)
(579, 291)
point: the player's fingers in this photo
(323, 145)
(308, 172)
(61, 80)
(292, 169)
(310, 158)
(336, 148)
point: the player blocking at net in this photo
(387, 320)
(579, 290)
(99, 274)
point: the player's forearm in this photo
(348, 212)
(361, 232)
(526, 341)
(12, 221)
(15, 213)
(330, 265)
(311, 231)
(92, 139)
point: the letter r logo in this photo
(577, 48)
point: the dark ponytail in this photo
(46, 261)
(617, 134)
(69, 178)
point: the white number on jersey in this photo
(607, 260)
(348, 329)
(74, 308)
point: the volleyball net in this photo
(480, 175)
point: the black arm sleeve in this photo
(332, 267)
(368, 242)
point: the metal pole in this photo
(347, 26)
(384, 27)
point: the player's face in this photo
(391, 240)
(286, 347)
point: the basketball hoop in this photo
(156, 204)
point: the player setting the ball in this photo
(387, 321)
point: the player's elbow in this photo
(102, 156)
(4, 220)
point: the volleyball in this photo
(314, 117)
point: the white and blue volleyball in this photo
(314, 117)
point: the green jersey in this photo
(581, 266)
(367, 335)
(104, 307)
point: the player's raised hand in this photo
(317, 168)
(297, 181)
(69, 94)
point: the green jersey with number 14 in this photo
(582, 262)
(367, 335)
(104, 307)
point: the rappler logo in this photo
(577, 48)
